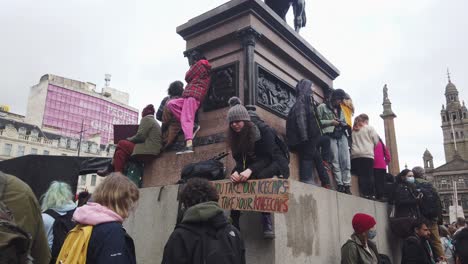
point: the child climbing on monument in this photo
(184, 109)
(170, 126)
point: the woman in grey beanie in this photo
(252, 148)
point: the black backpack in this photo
(279, 142)
(217, 245)
(430, 205)
(211, 169)
(62, 225)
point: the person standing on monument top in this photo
(362, 155)
(252, 148)
(335, 127)
(184, 109)
(303, 133)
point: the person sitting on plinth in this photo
(143, 146)
(184, 109)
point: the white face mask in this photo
(410, 179)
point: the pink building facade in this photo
(65, 110)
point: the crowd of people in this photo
(326, 139)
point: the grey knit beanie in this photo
(237, 112)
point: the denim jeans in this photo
(341, 160)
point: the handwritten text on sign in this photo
(268, 195)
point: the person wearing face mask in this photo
(417, 248)
(405, 202)
(359, 248)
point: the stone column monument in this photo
(390, 137)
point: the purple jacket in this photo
(381, 159)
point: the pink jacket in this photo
(381, 159)
(94, 214)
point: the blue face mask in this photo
(371, 234)
(410, 179)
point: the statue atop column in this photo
(385, 93)
(281, 8)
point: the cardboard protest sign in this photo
(267, 195)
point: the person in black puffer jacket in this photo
(303, 133)
(405, 195)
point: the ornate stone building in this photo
(454, 119)
(18, 138)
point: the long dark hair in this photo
(242, 142)
(401, 174)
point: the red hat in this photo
(148, 110)
(363, 223)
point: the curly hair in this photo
(198, 190)
(176, 88)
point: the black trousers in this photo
(308, 152)
(363, 168)
(379, 182)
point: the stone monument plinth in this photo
(256, 56)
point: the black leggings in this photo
(364, 169)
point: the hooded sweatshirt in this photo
(109, 242)
(185, 245)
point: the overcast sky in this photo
(405, 44)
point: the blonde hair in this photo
(117, 193)
(58, 195)
(359, 121)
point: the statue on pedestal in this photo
(281, 8)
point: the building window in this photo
(93, 180)
(20, 151)
(83, 180)
(461, 183)
(443, 119)
(63, 142)
(34, 151)
(456, 134)
(34, 133)
(46, 152)
(7, 149)
(443, 184)
(462, 135)
(22, 131)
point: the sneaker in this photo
(186, 150)
(340, 188)
(327, 186)
(268, 234)
(347, 189)
(196, 128)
